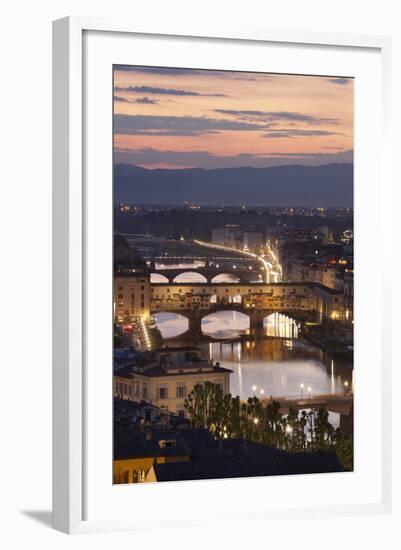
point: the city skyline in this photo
(192, 118)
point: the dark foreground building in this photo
(166, 448)
(240, 458)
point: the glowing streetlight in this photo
(254, 388)
(256, 421)
(302, 390)
(288, 429)
(346, 384)
(310, 392)
(262, 392)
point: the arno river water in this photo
(277, 366)
(277, 363)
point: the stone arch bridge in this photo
(306, 300)
(243, 270)
(256, 316)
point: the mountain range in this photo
(329, 185)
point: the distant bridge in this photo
(338, 403)
(342, 404)
(241, 268)
(242, 274)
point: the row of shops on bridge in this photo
(135, 296)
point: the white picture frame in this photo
(70, 260)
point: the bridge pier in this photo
(256, 317)
(347, 422)
(194, 325)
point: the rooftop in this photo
(248, 460)
(138, 444)
(177, 349)
(214, 459)
(184, 369)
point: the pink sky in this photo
(192, 118)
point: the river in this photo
(278, 365)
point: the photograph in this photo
(232, 307)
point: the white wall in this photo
(25, 352)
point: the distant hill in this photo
(296, 185)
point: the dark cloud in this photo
(120, 99)
(207, 159)
(293, 133)
(179, 126)
(271, 116)
(162, 91)
(141, 100)
(146, 101)
(341, 81)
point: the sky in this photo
(182, 118)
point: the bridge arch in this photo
(171, 324)
(281, 325)
(226, 277)
(158, 278)
(225, 323)
(190, 277)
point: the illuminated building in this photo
(168, 380)
(131, 295)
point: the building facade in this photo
(229, 235)
(131, 295)
(318, 273)
(168, 380)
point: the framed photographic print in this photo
(215, 275)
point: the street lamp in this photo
(256, 421)
(288, 429)
(262, 391)
(302, 390)
(310, 392)
(254, 388)
(346, 386)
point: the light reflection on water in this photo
(277, 365)
(171, 324)
(225, 324)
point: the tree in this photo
(226, 417)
